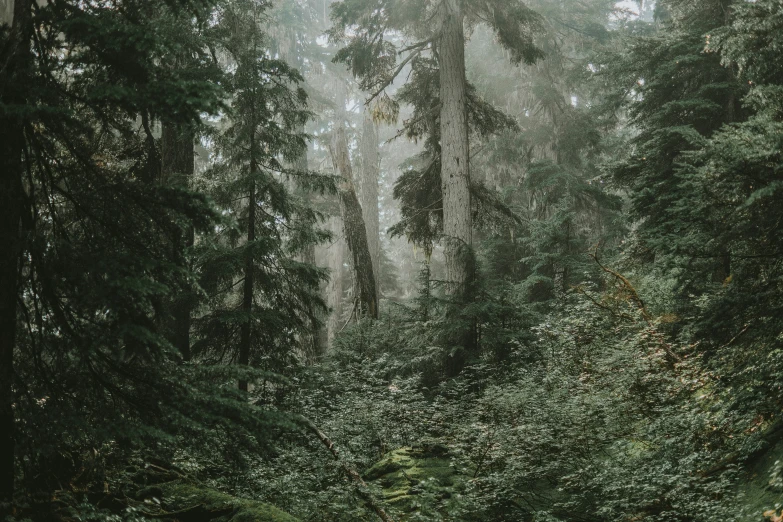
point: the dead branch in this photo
(640, 305)
(354, 475)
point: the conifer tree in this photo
(261, 296)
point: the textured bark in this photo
(178, 166)
(455, 151)
(455, 177)
(15, 57)
(368, 191)
(355, 231)
(334, 291)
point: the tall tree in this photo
(429, 37)
(368, 189)
(87, 236)
(455, 148)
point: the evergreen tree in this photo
(260, 296)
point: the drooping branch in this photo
(417, 49)
(634, 297)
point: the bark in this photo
(178, 166)
(334, 292)
(369, 193)
(455, 153)
(6, 12)
(355, 231)
(15, 57)
(455, 179)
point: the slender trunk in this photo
(247, 290)
(15, 57)
(334, 292)
(369, 193)
(313, 341)
(455, 169)
(355, 231)
(178, 165)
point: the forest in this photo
(391, 260)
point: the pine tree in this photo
(261, 296)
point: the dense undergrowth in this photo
(615, 355)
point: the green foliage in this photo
(626, 306)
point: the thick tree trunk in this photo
(369, 193)
(15, 57)
(455, 150)
(178, 165)
(455, 176)
(334, 292)
(245, 335)
(355, 231)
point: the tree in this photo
(16, 56)
(355, 229)
(89, 230)
(368, 189)
(262, 296)
(446, 108)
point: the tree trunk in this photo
(455, 151)
(355, 231)
(313, 341)
(6, 12)
(247, 289)
(15, 57)
(455, 179)
(334, 292)
(369, 193)
(178, 166)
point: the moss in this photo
(406, 474)
(762, 490)
(180, 496)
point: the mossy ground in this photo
(414, 476)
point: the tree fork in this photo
(355, 230)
